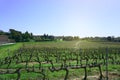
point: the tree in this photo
(1, 32)
(76, 38)
(109, 38)
(68, 38)
(16, 35)
(26, 36)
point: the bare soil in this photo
(111, 76)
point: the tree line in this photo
(18, 36)
(108, 38)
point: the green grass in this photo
(6, 50)
(91, 44)
(73, 73)
(63, 44)
(73, 44)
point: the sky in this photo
(62, 17)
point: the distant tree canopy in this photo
(47, 37)
(27, 36)
(44, 37)
(18, 36)
(70, 38)
(109, 38)
(3, 33)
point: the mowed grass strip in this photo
(6, 50)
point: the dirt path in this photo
(76, 45)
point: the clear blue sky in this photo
(62, 17)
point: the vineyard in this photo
(32, 62)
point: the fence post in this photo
(106, 63)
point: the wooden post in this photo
(85, 78)
(100, 72)
(67, 72)
(106, 63)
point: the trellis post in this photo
(106, 63)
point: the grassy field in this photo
(7, 50)
(63, 44)
(74, 44)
